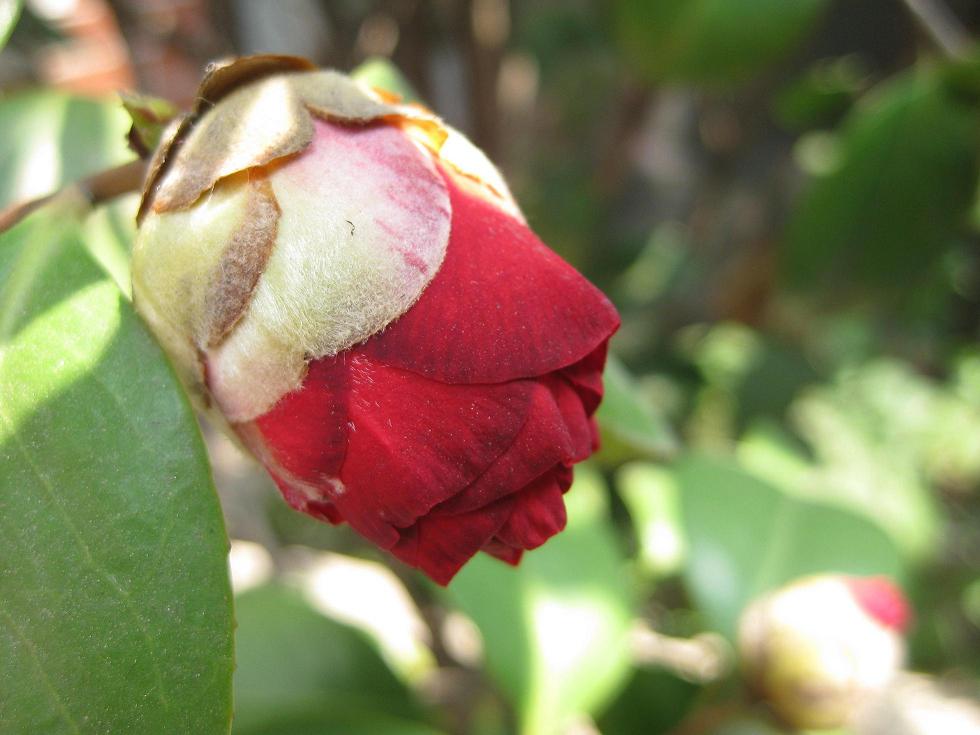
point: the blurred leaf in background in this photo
(298, 671)
(710, 40)
(554, 629)
(726, 512)
(896, 189)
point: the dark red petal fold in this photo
(411, 443)
(538, 514)
(556, 433)
(503, 306)
(439, 544)
(586, 376)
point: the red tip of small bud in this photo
(883, 600)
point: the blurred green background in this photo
(781, 197)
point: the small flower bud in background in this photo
(349, 285)
(818, 649)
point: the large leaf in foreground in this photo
(554, 629)
(115, 607)
(746, 537)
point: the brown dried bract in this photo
(253, 126)
(220, 79)
(267, 104)
(241, 265)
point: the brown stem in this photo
(943, 27)
(97, 188)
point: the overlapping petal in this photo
(502, 307)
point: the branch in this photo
(97, 188)
(943, 27)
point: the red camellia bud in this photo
(348, 283)
(820, 649)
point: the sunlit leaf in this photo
(299, 672)
(710, 40)
(116, 607)
(554, 629)
(50, 138)
(746, 537)
(9, 14)
(651, 496)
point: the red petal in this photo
(502, 306)
(538, 514)
(411, 443)
(586, 376)
(882, 599)
(555, 434)
(306, 431)
(440, 544)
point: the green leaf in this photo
(875, 434)
(899, 188)
(823, 95)
(116, 613)
(630, 417)
(381, 73)
(299, 671)
(745, 537)
(654, 702)
(109, 231)
(9, 14)
(651, 496)
(710, 40)
(51, 138)
(555, 628)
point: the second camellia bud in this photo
(819, 649)
(347, 283)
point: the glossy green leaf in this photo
(710, 40)
(899, 187)
(116, 606)
(629, 416)
(554, 629)
(746, 537)
(299, 672)
(9, 14)
(50, 138)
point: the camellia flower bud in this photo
(818, 649)
(349, 284)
